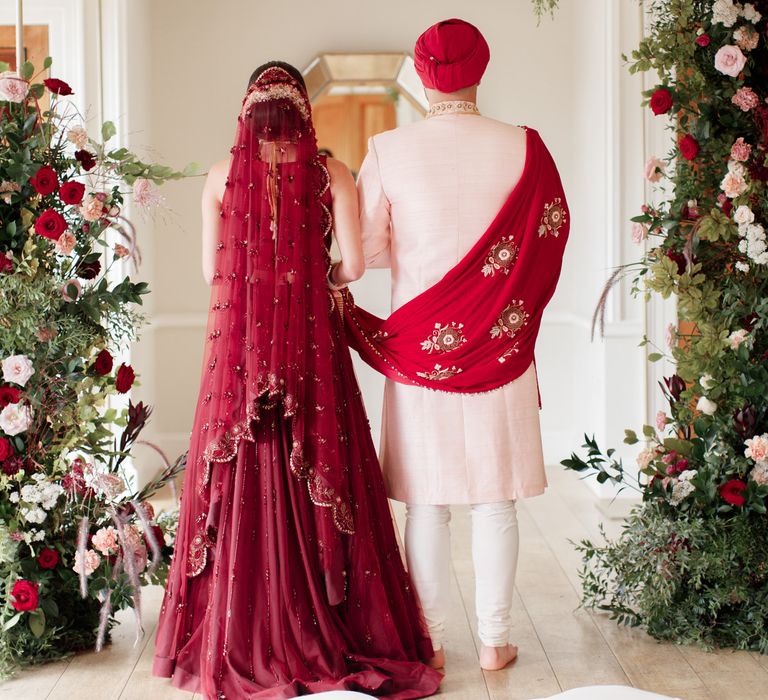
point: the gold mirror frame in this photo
(391, 70)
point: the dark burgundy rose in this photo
(9, 394)
(744, 421)
(13, 465)
(50, 224)
(58, 87)
(45, 181)
(727, 207)
(6, 263)
(88, 271)
(732, 492)
(102, 365)
(125, 378)
(86, 160)
(689, 147)
(758, 171)
(157, 531)
(25, 596)
(678, 258)
(71, 192)
(661, 101)
(5, 449)
(675, 386)
(703, 40)
(48, 558)
(749, 321)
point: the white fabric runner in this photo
(607, 692)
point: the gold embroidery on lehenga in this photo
(553, 218)
(444, 338)
(501, 257)
(511, 320)
(439, 373)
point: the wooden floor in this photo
(561, 647)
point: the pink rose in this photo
(741, 151)
(15, 418)
(661, 421)
(12, 87)
(736, 338)
(746, 99)
(639, 233)
(757, 448)
(670, 336)
(66, 243)
(654, 169)
(17, 369)
(729, 60)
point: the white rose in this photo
(736, 338)
(706, 406)
(743, 215)
(15, 418)
(12, 87)
(707, 382)
(18, 369)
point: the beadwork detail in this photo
(445, 338)
(553, 218)
(501, 257)
(452, 107)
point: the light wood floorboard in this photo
(561, 646)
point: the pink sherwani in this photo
(428, 191)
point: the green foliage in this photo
(691, 563)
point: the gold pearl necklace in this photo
(453, 107)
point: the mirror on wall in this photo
(357, 95)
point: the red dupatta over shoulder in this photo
(475, 330)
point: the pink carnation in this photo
(92, 208)
(65, 243)
(92, 561)
(757, 448)
(105, 540)
(746, 38)
(741, 150)
(144, 194)
(729, 60)
(746, 99)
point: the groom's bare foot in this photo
(438, 660)
(496, 658)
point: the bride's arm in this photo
(213, 193)
(346, 224)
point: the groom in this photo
(428, 192)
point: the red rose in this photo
(24, 595)
(45, 180)
(50, 224)
(86, 160)
(661, 101)
(689, 147)
(48, 558)
(102, 365)
(125, 378)
(703, 40)
(57, 87)
(9, 394)
(71, 192)
(157, 531)
(6, 262)
(731, 491)
(5, 449)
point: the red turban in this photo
(451, 55)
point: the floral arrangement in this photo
(76, 540)
(691, 564)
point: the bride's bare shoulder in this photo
(340, 174)
(217, 177)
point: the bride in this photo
(287, 578)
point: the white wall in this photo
(188, 64)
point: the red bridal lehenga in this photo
(287, 578)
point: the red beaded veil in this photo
(270, 328)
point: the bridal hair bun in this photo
(277, 95)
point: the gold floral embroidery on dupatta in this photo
(501, 257)
(439, 373)
(445, 338)
(553, 218)
(511, 320)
